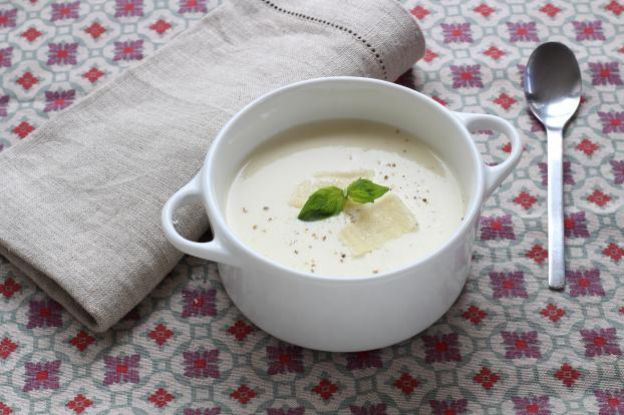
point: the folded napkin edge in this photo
(58, 293)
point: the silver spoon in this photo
(552, 86)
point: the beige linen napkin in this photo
(80, 199)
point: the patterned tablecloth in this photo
(509, 345)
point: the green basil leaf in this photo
(325, 202)
(365, 191)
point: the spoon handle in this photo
(556, 262)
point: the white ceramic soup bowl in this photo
(341, 313)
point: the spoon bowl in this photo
(552, 84)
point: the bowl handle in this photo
(494, 175)
(213, 250)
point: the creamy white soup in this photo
(419, 213)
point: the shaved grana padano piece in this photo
(340, 179)
(374, 224)
(307, 187)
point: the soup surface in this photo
(420, 211)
